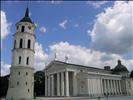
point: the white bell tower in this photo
(21, 81)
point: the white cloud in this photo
(76, 25)
(63, 24)
(113, 29)
(5, 69)
(5, 25)
(43, 29)
(55, 2)
(40, 57)
(76, 55)
(83, 56)
(96, 4)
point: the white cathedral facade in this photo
(62, 79)
(65, 79)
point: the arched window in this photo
(21, 42)
(19, 59)
(28, 45)
(14, 43)
(27, 61)
(22, 29)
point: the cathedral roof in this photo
(76, 65)
(26, 18)
(120, 68)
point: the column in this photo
(67, 83)
(62, 83)
(74, 84)
(115, 87)
(101, 87)
(46, 87)
(58, 84)
(111, 87)
(105, 89)
(52, 83)
(120, 86)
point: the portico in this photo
(59, 84)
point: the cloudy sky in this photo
(89, 33)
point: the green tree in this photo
(3, 85)
(131, 74)
(39, 84)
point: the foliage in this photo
(3, 85)
(131, 75)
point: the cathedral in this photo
(65, 79)
(62, 79)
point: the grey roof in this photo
(76, 65)
(26, 18)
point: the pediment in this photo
(55, 66)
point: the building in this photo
(21, 81)
(65, 79)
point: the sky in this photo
(90, 33)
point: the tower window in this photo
(26, 73)
(14, 43)
(17, 27)
(28, 45)
(27, 61)
(17, 83)
(19, 59)
(26, 83)
(18, 73)
(29, 27)
(22, 29)
(21, 42)
(28, 90)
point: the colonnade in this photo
(57, 84)
(95, 87)
(112, 87)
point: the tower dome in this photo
(120, 68)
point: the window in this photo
(18, 73)
(28, 45)
(17, 83)
(28, 90)
(27, 62)
(22, 29)
(21, 42)
(29, 27)
(26, 73)
(26, 83)
(17, 27)
(14, 43)
(19, 59)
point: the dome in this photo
(120, 68)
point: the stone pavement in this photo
(86, 98)
(82, 98)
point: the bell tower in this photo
(21, 81)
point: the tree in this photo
(3, 85)
(39, 84)
(131, 74)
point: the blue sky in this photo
(65, 23)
